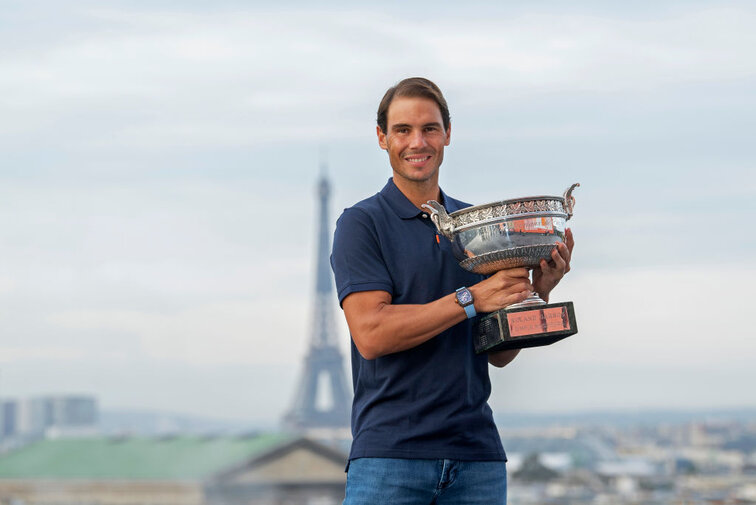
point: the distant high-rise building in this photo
(8, 416)
(323, 399)
(70, 411)
(40, 416)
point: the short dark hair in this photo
(415, 87)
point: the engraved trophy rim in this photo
(449, 223)
(509, 201)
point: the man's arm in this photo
(379, 327)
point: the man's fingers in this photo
(519, 272)
(516, 298)
(514, 272)
(569, 239)
(518, 285)
(561, 264)
(564, 253)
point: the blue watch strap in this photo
(465, 300)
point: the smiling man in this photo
(423, 432)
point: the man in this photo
(422, 429)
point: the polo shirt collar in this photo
(406, 209)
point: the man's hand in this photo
(548, 274)
(502, 289)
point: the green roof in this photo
(138, 458)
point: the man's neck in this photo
(418, 192)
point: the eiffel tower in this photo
(322, 400)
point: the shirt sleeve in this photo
(356, 259)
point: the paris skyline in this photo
(157, 189)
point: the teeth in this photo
(417, 160)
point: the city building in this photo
(53, 415)
(268, 469)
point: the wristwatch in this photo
(465, 300)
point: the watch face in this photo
(464, 297)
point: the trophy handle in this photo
(569, 200)
(440, 218)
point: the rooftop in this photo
(137, 458)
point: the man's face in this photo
(415, 138)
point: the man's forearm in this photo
(379, 327)
(387, 328)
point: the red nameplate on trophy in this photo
(525, 327)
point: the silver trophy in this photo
(512, 233)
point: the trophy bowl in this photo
(508, 234)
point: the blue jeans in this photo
(376, 481)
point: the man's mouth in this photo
(418, 159)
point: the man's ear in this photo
(381, 138)
(448, 135)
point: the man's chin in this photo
(415, 177)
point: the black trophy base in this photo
(525, 327)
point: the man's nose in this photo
(417, 140)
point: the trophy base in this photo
(529, 326)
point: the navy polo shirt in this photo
(428, 402)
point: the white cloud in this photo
(50, 353)
(6, 285)
(215, 79)
(598, 53)
(247, 332)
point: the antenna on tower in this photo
(323, 161)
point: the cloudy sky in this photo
(159, 161)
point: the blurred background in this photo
(159, 210)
